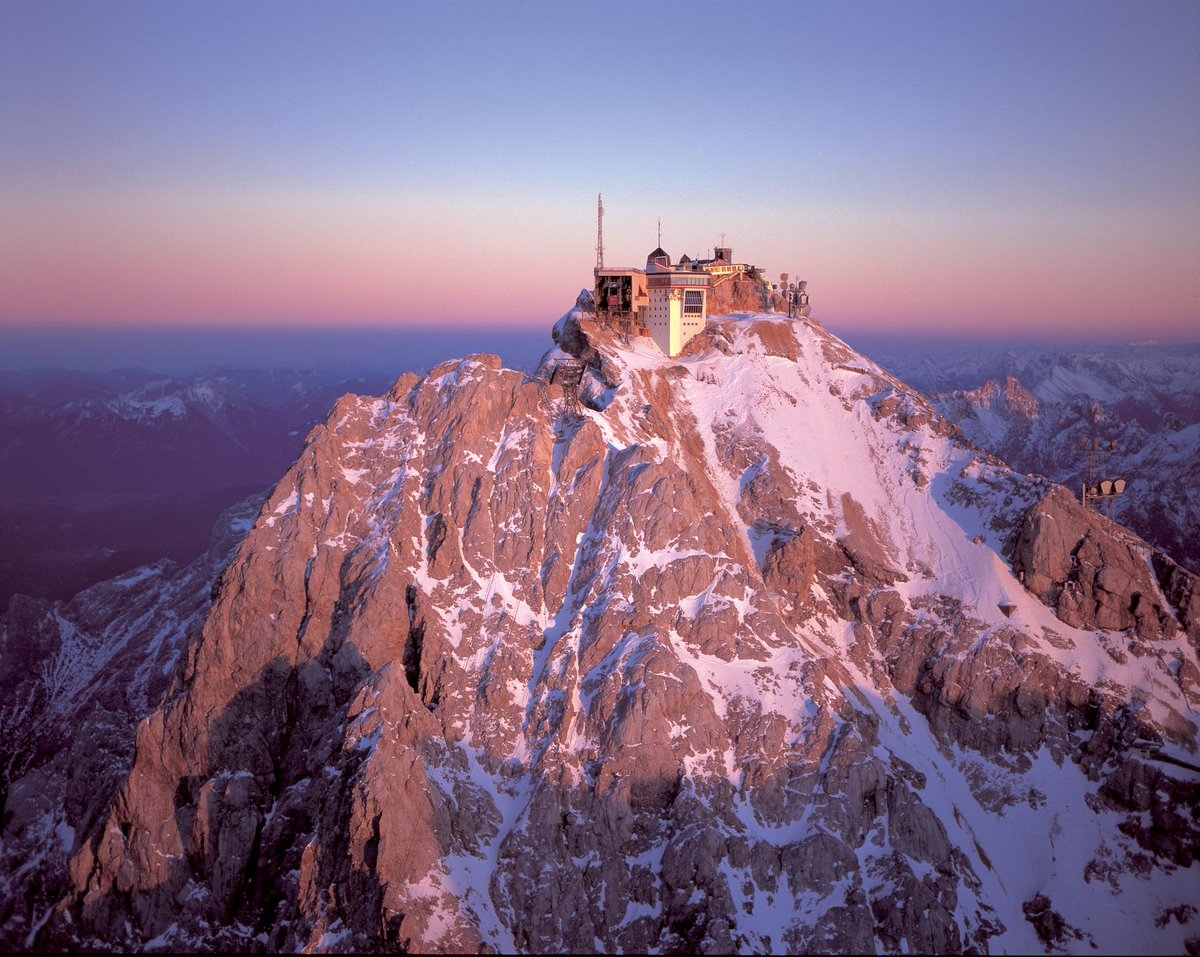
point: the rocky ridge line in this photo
(721, 662)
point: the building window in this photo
(693, 303)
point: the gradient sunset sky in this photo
(1004, 169)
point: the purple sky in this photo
(1026, 170)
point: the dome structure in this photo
(659, 257)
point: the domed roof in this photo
(659, 256)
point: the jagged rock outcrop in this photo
(77, 677)
(1096, 575)
(733, 658)
(1012, 397)
(732, 294)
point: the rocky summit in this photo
(746, 650)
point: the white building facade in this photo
(678, 301)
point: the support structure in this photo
(568, 373)
(1100, 494)
(599, 231)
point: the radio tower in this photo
(599, 231)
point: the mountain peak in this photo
(731, 652)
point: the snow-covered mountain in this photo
(1139, 383)
(1043, 408)
(748, 651)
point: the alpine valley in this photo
(743, 651)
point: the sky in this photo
(993, 170)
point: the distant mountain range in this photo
(100, 472)
(1041, 409)
(1140, 384)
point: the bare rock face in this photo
(715, 662)
(742, 294)
(574, 335)
(1182, 590)
(77, 678)
(1012, 395)
(1096, 575)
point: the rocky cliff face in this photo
(734, 656)
(75, 680)
(743, 294)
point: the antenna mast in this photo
(660, 233)
(599, 231)
(1100, 494)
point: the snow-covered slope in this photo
(748, 652)
(1050, 436)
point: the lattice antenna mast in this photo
(1094, 448)
(660, 234)
(599, 231)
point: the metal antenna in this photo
(1099, 494)
(660, 233)
(599, 231)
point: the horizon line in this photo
(450, 328)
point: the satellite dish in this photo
(802, 285)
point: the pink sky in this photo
(1028, 170)
(387, 260)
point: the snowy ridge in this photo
(733, 657)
